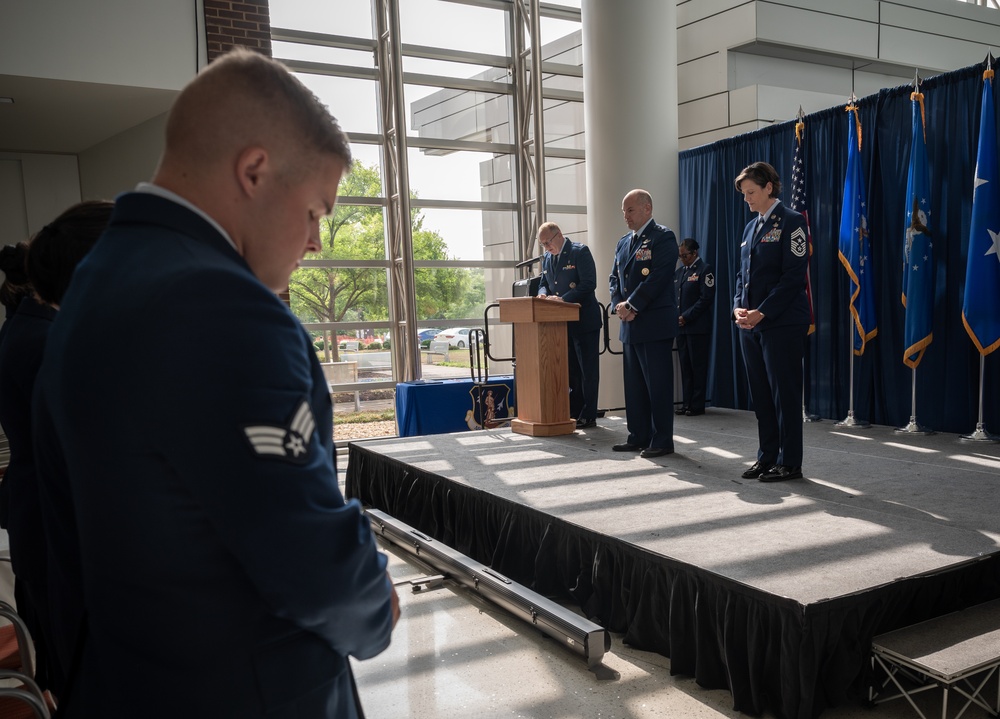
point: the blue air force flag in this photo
(981, 309)
(855, 244)
(918, 255)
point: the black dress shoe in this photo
(756, 469)
(626, 447)
(586, 423)
(781, 472)
(694, 412)
(655, 452)
(682, 410)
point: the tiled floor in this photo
(455, 655)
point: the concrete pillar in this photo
(630, 117)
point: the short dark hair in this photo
(690, 244)
(59, 246)
(760, 173)
(15, 285)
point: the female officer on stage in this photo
(772, 312)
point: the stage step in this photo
(958, 652)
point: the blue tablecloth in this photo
(451, 405)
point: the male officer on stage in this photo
(184, 418)
(642, 293)
(569, 275)
(695, 299)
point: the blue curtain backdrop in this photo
(713, 212)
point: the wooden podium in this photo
(541, 375)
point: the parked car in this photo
(428, 334)
(455, 337)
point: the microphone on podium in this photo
(527, 287)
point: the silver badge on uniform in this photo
(709, 280)
(289, 443)
(799, 242)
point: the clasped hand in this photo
(624, 314)
(747, 319)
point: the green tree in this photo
(354, 232)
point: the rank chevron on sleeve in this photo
(291, 442)
(798, 242)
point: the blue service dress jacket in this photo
(20, 507)
(695, 297)
(643, 274)
(772, 276)
(187, 427)
(572, 275)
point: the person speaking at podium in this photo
(642, 294)
(570, 275)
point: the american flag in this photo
(799, 205)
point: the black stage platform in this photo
(771, 590)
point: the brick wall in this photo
(237, 22)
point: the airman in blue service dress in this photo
(228, 488)
(572, 275)
(772, 312)
(695, 300)
(20, 357)
(642, 292)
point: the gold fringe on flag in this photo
(857, 121)
(919, 97)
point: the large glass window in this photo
(460, 150)
(354, 102)
(439, 23)
(345, 17)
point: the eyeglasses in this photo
(685, 255)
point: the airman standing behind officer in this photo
(642, 294)
(569, 275)
(695, 300)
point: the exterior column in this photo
(630, 116)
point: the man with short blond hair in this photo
(219, 571)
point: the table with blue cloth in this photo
(452, 405)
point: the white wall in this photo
(743, 65)
(50, 184)
(119, 163)
(142, 43)
(13, 213)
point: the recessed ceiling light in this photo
(6, 101)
